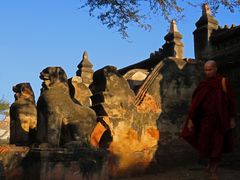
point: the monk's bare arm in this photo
(190, 125)
(232, 104)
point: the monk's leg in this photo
(213, 167)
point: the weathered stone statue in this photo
(23, 116)
(60, 119)
(79, 91)
(128, 130)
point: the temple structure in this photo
(141, 108)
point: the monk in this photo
(211, 118)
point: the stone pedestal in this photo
(56, 163)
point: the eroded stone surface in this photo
(5, 130)
(133, 129)
(139, 127)
(23, 115)
(73, 162)
(60, 120)
(79, 91)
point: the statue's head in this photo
(23, 90)
(52, 75)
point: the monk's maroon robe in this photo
(211, 110)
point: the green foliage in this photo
(4, 106)
(120, 13)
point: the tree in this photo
(4, 106)
(120, 13)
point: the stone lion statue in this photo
(60, 119)
(23, 115)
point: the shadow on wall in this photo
(175, 91)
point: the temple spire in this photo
(85, 70)
(173, 46)
(173, 27)
(204, 28)
(205, 9)
(85, 61)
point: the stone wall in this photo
(141, 114)
(132, 133)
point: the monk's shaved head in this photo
(210, 68)
(211, 63)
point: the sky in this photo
(38, 34)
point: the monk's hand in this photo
(232, 123)
(190, 125)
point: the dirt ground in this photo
(176, 162)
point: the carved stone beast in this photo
(23, 115)
(60, 119)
